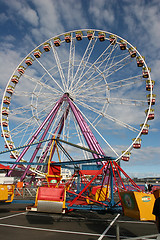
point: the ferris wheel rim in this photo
(73, 32)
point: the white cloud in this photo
(23, 10)
(3, 18)
(102, 12)
(143, 20)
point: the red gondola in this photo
(132, 52)
(90, 35)
(10, 89)
(29, 61)
(68, 38)
(145, 129)
(47, 47)
(149, 84)
(151, 114)
(137, 143)
(57, 42)
(21, 69)
(123, 45)
(5, 111)
(153, 99)
(126, 156)
(112, 39)
(5, 122)
(101, 36)
(7, 100)
(37, 53)
(15, 79)
(79, 35)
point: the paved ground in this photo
(16, 224)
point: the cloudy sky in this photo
(24, 24)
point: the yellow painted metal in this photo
(10, 188)
(3, 192)
(138, 205)
(101, 194)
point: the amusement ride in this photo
(81, 100)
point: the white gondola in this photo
(10, 143)
(5, 122)
(7, 100)
(14, 155)
(149, 84)
(5, 133)
(153, 99)
(5, 111)
(137, 143)
(145, 128)
(140, 61)
(151, 114)
(146, 72)
(126, 156)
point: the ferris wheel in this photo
(94, 85)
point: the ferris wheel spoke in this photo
(92, 86)
(56, 82)
(71, 62)
(121, 81)
(59, 67)
(106, 74)
(99, 61)
(122, 85)
(90, 83)
(116, 66)
(108, 116)
(34, 117)
(92, 98)
(41, 83)
(85, 59)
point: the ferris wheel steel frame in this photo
(70, 87)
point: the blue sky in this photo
(24, 24)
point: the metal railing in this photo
(26, 192)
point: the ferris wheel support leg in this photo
(57, 105)
(39, 145)
(90, 139)
(112, 202)
(81, 125)
(60, 127)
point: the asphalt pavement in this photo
(16, 224)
